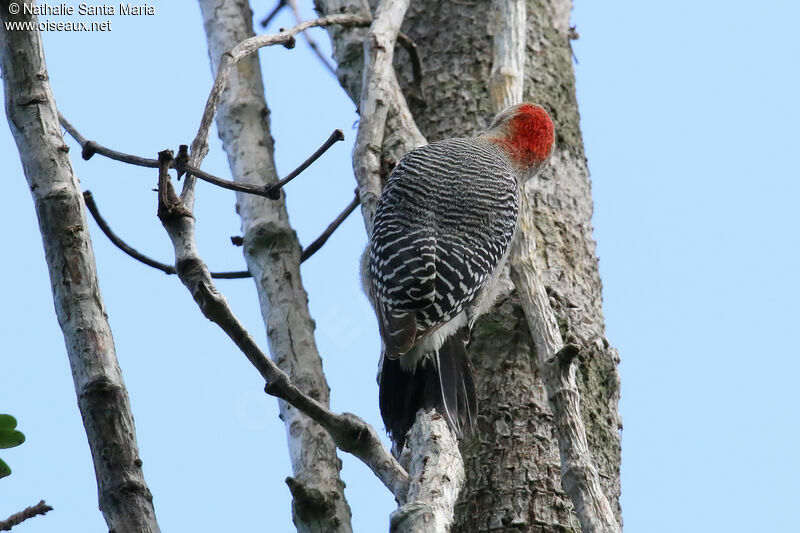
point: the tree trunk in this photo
(512, 462)
(124, 498)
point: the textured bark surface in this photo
(272, 252)
(436, 474)
(125, 500)
(513, 466)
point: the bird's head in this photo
(525, 133)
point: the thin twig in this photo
(310, 40)
(350, 433)
(29, 512)
(275, 10)
(273, 190)
(122, 245)
(416, 63)
(322, 239)
(90, 148)
(312, 248)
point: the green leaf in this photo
(10, 438)
(4, 469)
(7, 422)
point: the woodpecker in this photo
(441, 234)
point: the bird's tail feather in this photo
(442, 380)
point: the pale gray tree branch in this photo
(350, 432)
(124, 497)
(507, 77)
(436, 473)
(271, 250)
(379, 88)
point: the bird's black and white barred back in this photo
(442, 230)
(443, 224)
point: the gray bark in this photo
(436, 474)
(512, 463)
(272, 252)
(124, 498)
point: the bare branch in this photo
(320, 241)
(271, 191)
(312, 248)
(436, 473)
(379, 89)
(199, 147)
(508, 66)
(349, 432)
(122, 245)
(275, 10)
(40, 508)
(124, 498)
(416, 63)
(272, 252)
(579, 476)
(90, 148)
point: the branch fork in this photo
(349, 432)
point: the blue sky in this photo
(688, 111)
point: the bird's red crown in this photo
(525, 133)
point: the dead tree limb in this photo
(117, 241)
(199, 146)
(298, 18)
(272, 14)
(124, 497)
(320, 241)
(90, 148)
(91, 206)
(350, 432)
